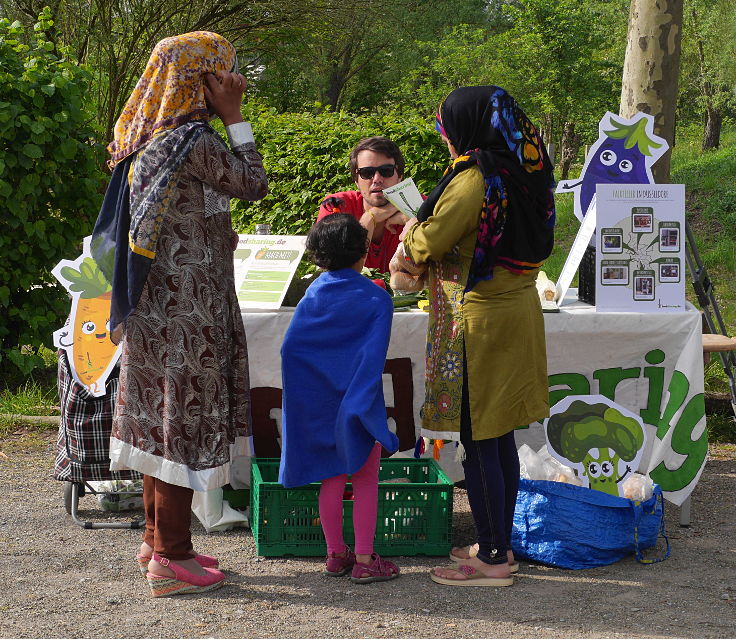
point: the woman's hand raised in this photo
(224, 94)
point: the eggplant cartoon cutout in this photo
(86, 337)
(623, 154)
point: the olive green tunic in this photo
(499, 323)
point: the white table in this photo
(650, 363)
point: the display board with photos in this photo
(640, 256)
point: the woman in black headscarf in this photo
(484, 232)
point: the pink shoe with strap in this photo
(339, 564)
(378, 569)
(183, 582)
(206, 561)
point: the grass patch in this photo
(711, 211)
(714, 377)
(30, 399)
(721, 428)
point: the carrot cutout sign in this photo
(86, 336)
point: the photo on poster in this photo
(642, 219)
(644, 285)
(614, 273)
(669, 237)
(669, 270)
(612, 240)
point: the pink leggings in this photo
(365, 506)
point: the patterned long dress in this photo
(498, 326)
(183, 407)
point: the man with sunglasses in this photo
(375, 164)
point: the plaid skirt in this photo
(83, 443)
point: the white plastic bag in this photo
(638, 487)
(406, 277)
(557, 470)
(532, 466)
(117, 495)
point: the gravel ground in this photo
(60, 580)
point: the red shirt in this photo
(379, 253)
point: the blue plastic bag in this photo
(568, 526)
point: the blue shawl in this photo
(332, 360)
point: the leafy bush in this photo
(49, 186)
(306, 158)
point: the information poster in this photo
(404, 196)
(264, 267)
(640, 241)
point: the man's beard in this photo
(376, 199)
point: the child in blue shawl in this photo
(334, 415)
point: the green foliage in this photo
(711, 210)
(555, 57)
(583, 427)
(88, 280)
(49, 184)
(708, 60)
(348, 54)
(30, 399)
(306, 158)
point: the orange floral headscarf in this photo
(171, 90)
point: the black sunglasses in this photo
(385, 170)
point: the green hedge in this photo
(50, 186)
(306, 158)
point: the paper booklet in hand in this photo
(405, 196)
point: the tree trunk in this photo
(570, 146)
(651, 69)
(712, 132)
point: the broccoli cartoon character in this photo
(623, 154)
(91, 353)
(602, 441)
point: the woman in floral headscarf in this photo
(165, 241)
(484, 232)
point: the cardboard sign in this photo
(599, 439)
(86, 335)
(623, 154)
(640, 255)
(264, 267)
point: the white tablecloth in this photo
(649, 363)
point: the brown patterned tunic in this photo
(183, 407)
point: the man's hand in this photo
(223, 92)
(382, 213)
(396, 221)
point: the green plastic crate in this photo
(414, 517)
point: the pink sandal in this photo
(340, 564)
(183, 582)
(378, 569)
(206, 561)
